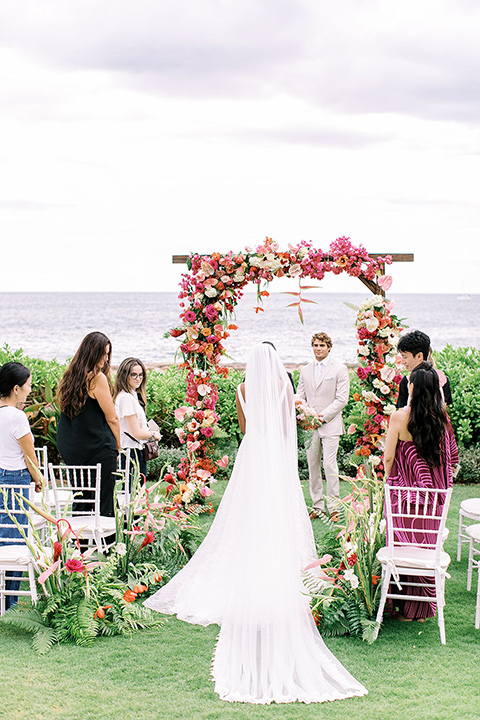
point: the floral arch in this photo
(208, 296)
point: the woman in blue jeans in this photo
(17, 453)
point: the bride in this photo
(246, 575)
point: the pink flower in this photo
(206, 492)
(352, 429)
(362, 373)
(208, 431)
(180, 413)
(371, 411)
(385, 282)
(190, 316)
(211, 312)
(74, 566)
(387, 373)
(223, 462)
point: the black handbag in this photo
(150, 450)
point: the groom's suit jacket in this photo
(329, 397)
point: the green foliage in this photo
(469, 465)
(462, 366)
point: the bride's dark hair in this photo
(72, 391)
(428, 417)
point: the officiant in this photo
(325, 385)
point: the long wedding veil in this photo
(246, 575)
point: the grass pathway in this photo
(165, 674)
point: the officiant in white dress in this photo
(247, 574)
(325, 386)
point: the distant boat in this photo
(464, 297)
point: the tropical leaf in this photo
(43, 640)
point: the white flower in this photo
(351, 577)
(377, 383)
(385, 389)
(389, 409)
(383, 525)
(374, 459)
(371, 324)
(120, 549)
(239, 276)
(211, 292)
(255, 261)
(362, 350)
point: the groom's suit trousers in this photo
(323, 448)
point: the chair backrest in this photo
(77, 486)
(42, 459)
(416, 516)
(9, 533)
(123, 473)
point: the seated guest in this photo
(18, 462)
(414, 347)
(130, 403)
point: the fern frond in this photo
(43, 640)
(27, 619)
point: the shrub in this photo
(469, 465)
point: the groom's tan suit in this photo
(326, 391)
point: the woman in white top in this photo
(130, 403)
(18, 463)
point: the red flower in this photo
(57, 550)
(147, 540)
(352, 559)
(73, 565)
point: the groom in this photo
(324, 385)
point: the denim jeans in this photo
(12, 477)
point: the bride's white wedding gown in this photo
(246, 575)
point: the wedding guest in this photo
(420, 451)
(325, 385)
(18, 462)
(414, 347)
(88, 429)
(130, 404)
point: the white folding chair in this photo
(416, 520)
(14, 553)
(473, 532)
(82, 484)
(123, 496)
(470, 510)
(42, 459)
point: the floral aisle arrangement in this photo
(208, 296)
(84, 594)
(344, 583)
(378, 331)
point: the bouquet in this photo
(307, 418)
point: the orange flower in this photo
(342, 261)
(375, 579)
(356, 397)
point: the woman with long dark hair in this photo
(130, 404)
(420, 451)
(18, 463)
(88, 428)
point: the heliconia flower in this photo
(49, 571)
(74, 566)
(148, 539)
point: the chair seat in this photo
(474, 532)
(413, 557)
(87, 524)
(19, 554)
(471, 506)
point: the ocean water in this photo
(51, 325)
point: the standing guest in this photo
(414, 347)
(18, 462)
(88, 429)
(420, 451)
(324, 384)
(130, 403)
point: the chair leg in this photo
(460, 533)
(386, 575)
(2, 592)
(477, 610)
(33, 586)
(439, 592)
(470, 565)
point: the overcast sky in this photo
(131, 130)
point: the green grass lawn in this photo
(165, 674)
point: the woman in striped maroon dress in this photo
(420, 451)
